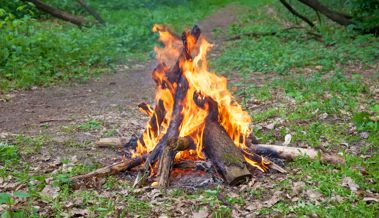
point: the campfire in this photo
(195, 117)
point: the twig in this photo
(297, 14)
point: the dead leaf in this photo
(364, 135)
(270, 126)
(287, 139)
(323, 116)
(336, 198)
(274, 199)
(348, 182)
(50, 191)
(297, 187)
(202, 213)
(313, 196)
(77, 212)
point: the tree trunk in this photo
(77, 20)
(335, 16)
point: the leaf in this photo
(274, 199)
(313, 196)
(348, 182)
(287, 139)
(50, 191)
(21, 194)
(5, 198)
(202, 213)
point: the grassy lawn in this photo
(325, 94)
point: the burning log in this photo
(156, 119)
(219, 147)
(172, 133)
(167, 159)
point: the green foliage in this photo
(16, 8)
(364, 122)
(365, 11)
(8, 153)
(90, 125)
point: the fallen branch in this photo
(290, 153)
(106, 142)
(297, 14)
(335, 16)
(82, 180)
(91, 11)
(77, 20)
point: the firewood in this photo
(166, 160)
(224, 155)
(155, 121)
(115, 168)
(290, 153)
(106, 142)
(219, 148)
(146, 108)
(180, 93)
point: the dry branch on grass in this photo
(290, 153)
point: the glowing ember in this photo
(231, 115)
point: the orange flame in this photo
(232, 117)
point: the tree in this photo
(364, 19)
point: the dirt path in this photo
(26, 111)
